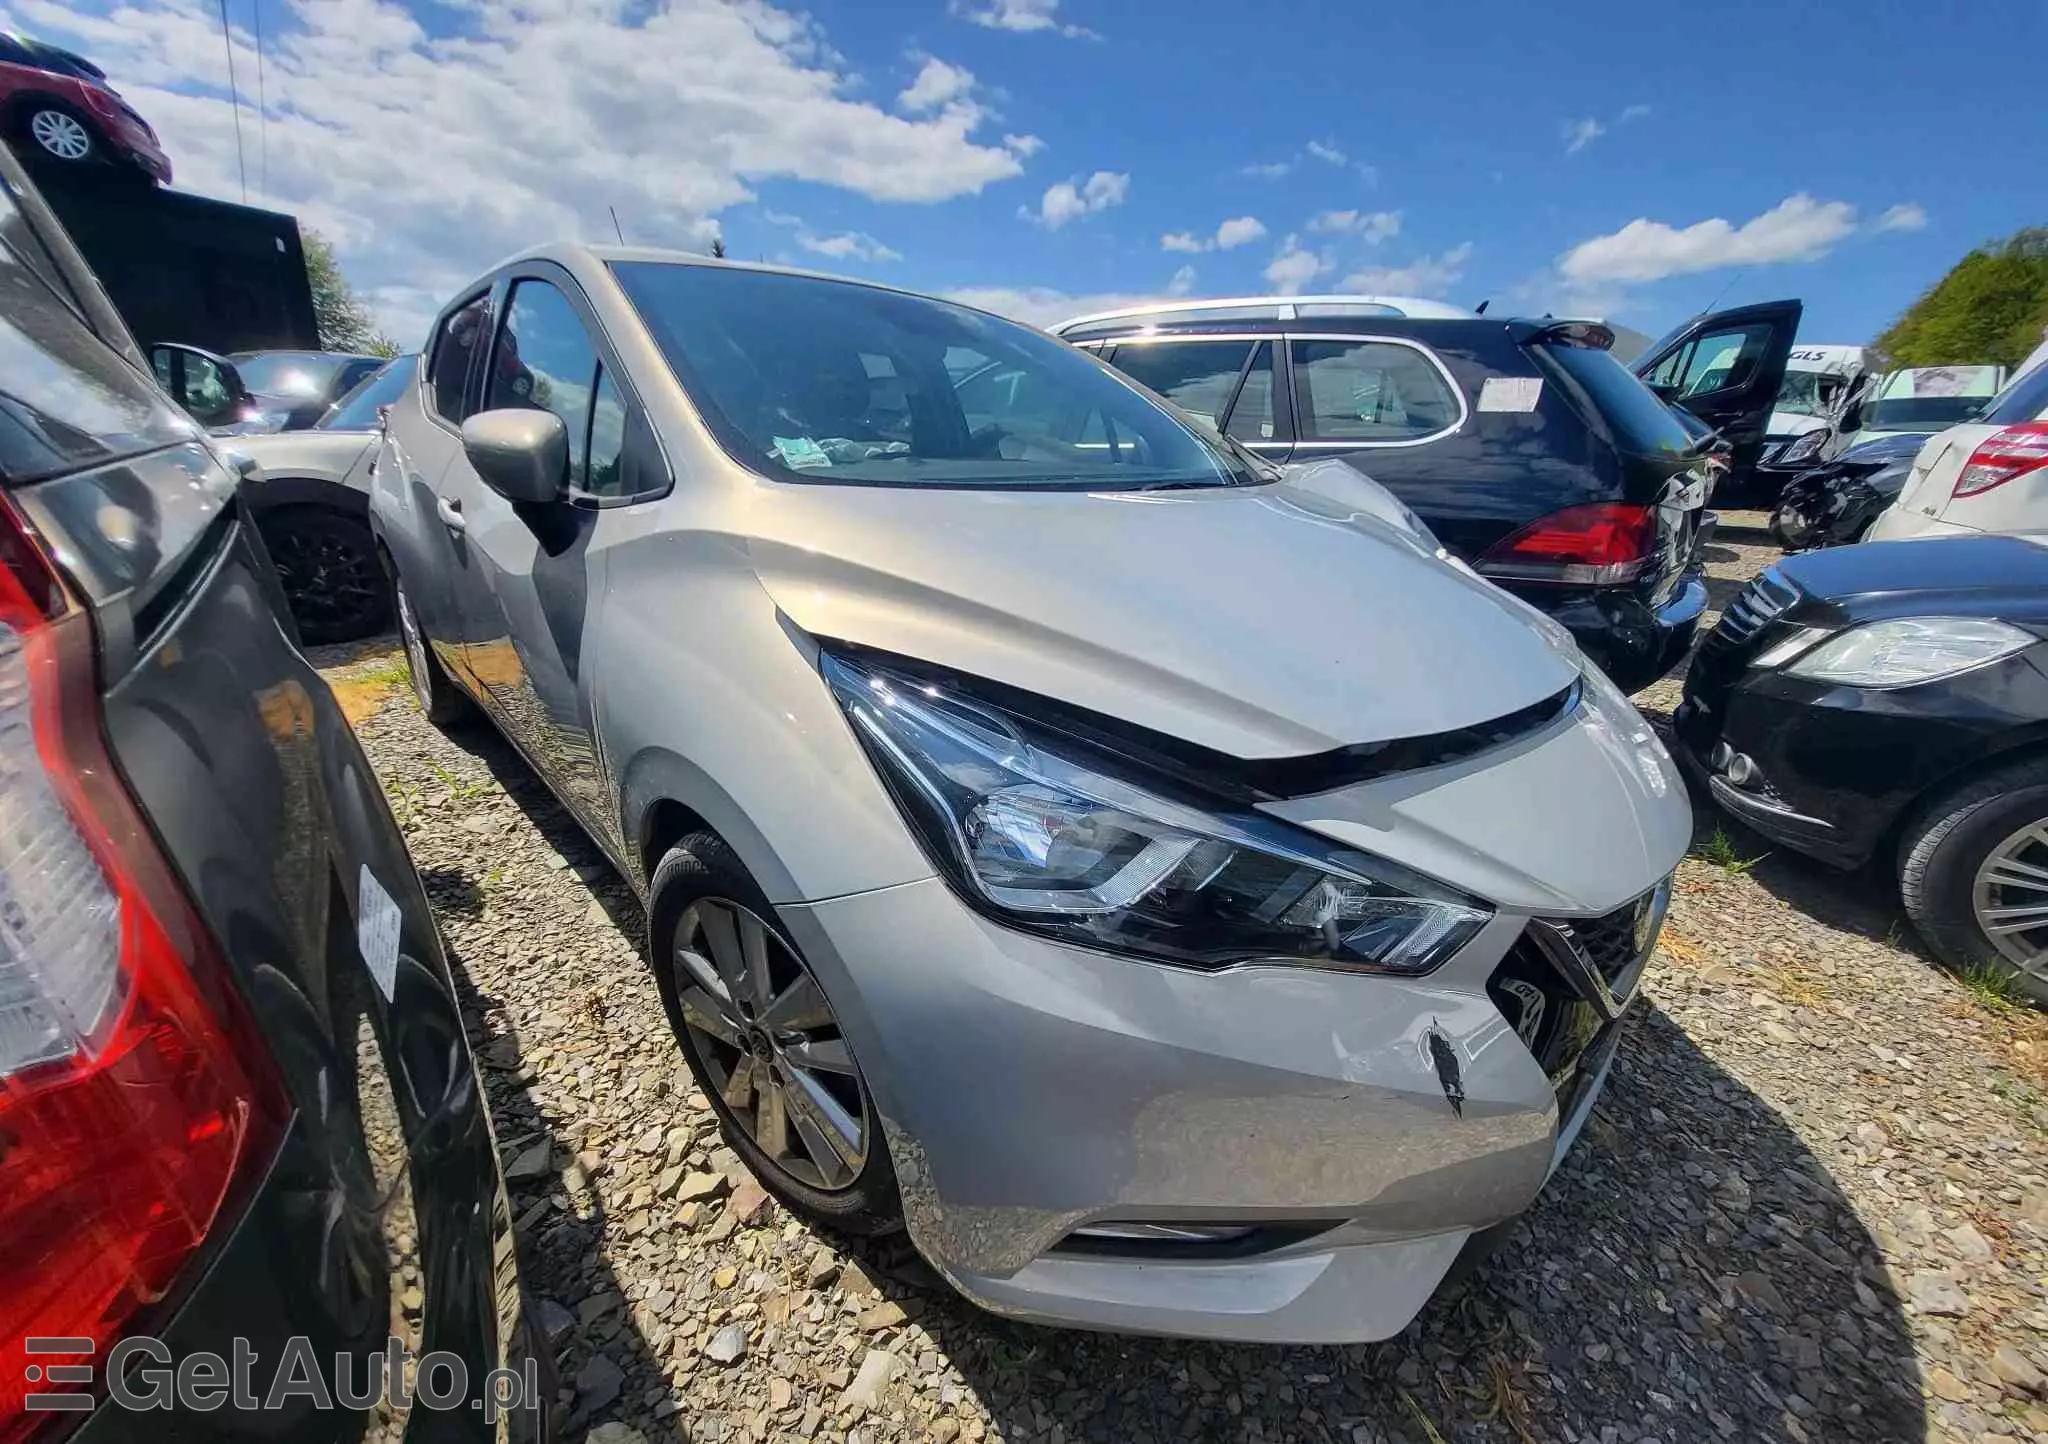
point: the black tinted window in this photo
(2025, 400)
(1369, 391)
(357, 411)
(449, 355)
(1641, 423)
(66, 399)
(545, 360)
(1197, 376)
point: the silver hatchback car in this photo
(1168, 887)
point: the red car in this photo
(57, 106)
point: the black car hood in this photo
(1981, 576)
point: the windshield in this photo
(806, 379)
(288, 373)
(1921, 413)
(1808, 393)
(357, 411)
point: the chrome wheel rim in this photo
(61, 135)
(2010, 898)
(770, 1043)
(415, 647)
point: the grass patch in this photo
(457, 788)
(1994, 987)
(362, 688)
(1719, 849)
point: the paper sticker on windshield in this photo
(1511, 393)
(801, 452)
(377, 922)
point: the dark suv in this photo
(1527, 448)
(236, 1099)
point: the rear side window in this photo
(1642, 424)
(2025, 400)
(1369, 391)
(448, 356)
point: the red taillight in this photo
(1600, 542)
(132, 1087)
(2015, 451)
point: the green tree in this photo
(344, 321)
(1989, 309)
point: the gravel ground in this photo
(1812, 1204)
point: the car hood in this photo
(1985, 575)
(326, 455)
(1261, 621)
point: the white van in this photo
(1816, 379)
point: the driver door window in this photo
(545, 361)
(1714, 362)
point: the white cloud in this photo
(1798, 228)
(1578, 134)
(1269, 170)
(1230, 234)
(1293, 268)
(1024, 16)
(1424, 276)
(1239, 231)
(849, 246)
(1634, 112)
(427, 158)
(1048, 306)
(1067, 199)
(1906, 217)
(1183, 282)
(1372, 226)
(937, 84)
(1023, 145)
(1326, 151)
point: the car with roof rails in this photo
(1524, 446)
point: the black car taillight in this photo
(1597, 544)
(135, 1094)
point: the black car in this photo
(1888, 703)
(1726, 368)
(1524, 445)
(1833, 503)
(236, 1099)
(258, 391)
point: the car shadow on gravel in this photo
(1692, 1273)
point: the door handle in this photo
(450, 512)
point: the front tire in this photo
(1973, 873)
(443, 705)
(327, 562)
(60, 133)
(764, 1044)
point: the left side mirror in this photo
(207, 386)
(521, 454)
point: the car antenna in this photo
(1480, 309)
(615, 224)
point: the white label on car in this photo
(377, 923)
(1510, 393)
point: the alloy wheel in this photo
(332, 586)
(2010, 898)
(61, 135)
(771, 1044)
(415, 649)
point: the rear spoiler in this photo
(1593, 335)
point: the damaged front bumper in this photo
(1031, 1090)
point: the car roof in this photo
(1288, 308)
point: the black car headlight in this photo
(1801, 447)
(1032, 831)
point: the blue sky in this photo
(1049, 156)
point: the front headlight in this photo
(1909, 650)
(1061, 842)
(1800, 447)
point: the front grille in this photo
(1754, 608)
(1609, 943)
